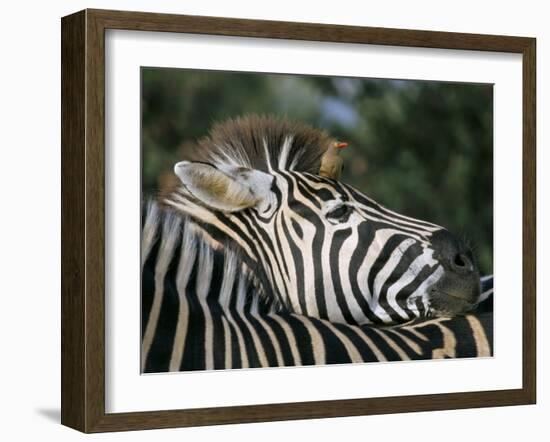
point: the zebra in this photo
(317, 247)
(204, 309)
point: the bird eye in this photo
(339, 212)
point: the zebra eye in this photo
(340, 212)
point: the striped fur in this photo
(318, 247)
(203, 308)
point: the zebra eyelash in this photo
(339, 213)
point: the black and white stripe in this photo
(318, 247)
(372, 267)
(203, 308)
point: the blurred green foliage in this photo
(421, 148)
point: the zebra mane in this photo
(263, 143)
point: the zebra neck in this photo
(237, 232)
(187, 256)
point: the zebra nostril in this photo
(462, 262)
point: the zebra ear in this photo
(228, 189)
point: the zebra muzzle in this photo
(458, 291)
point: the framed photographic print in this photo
(267, 220)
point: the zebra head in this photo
(322, 248)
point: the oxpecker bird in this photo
(331, 163)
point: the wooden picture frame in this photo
(83, 220)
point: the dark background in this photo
(421, 148)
